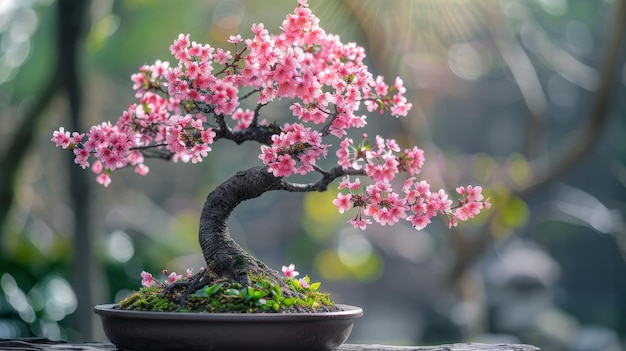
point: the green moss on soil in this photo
(261, 297)
(148, 299)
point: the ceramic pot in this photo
(139, 330)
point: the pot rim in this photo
(347, 312)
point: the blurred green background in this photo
(526, 98)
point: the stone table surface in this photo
(42, 344)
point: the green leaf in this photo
(289, 301)
(276, 291)
(211, 290)
(258, 294)
(232, 291)
(201, 293)
(264, 284)
(315, 286)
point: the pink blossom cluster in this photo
(290, 272)
(295, 143)
(382, 162)
(325, 81)
(416, 203)
(110, 146)
(325, 78)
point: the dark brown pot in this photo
(137, 330)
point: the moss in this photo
(148, 299)
(240, 262)
(262, 296)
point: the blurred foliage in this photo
(479, 120)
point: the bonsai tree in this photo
(184, 108)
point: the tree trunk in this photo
(225, 258)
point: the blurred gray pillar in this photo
(73, 19)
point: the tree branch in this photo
(581, 141)
(260, 134)
(525, 76)
(572, 150)
(322, 184)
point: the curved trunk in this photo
(224, 257)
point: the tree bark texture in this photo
(224, 257)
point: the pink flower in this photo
(243, 117)
(179, 47)
(343, 154)
(346, 183)
(303, 283)
(474, 193)
(284, 167)
(142, 169)
(290, 271)
(453, 222)
(419, 222)
(159, 68)
(208, 135)
(198, 152)
(343, 202)
(173, 277)
(359, 223)
(234, 39)
(221, 56)
(82, 155)
(468, 210)
(135, 157)
(412, 160)
(460, 190)
(383, 172)
(380, 87)
(189, 272)
(61, 138)
(103, 179)
(422, 188)
(76, 138)
(487, 203)
(268, 154)
(97, 167)
(147, 279)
